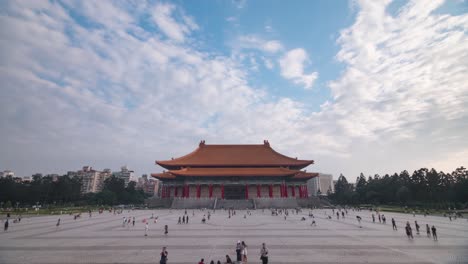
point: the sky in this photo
(357, 86)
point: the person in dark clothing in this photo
(202, 261)
(228, 260)
(58, 223)
(428, 230)
(238, 251)
(183, 219)
(417, 227)
(264, 254)
(394, 224)
(6, 225)
(163, 256)
(166, 231)
(186, 220)
(409, 231)
(434, 233)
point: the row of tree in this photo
(424, 187)
(66, 190)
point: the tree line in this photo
(426, 188)
(65, 191)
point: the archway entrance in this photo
(234, 192)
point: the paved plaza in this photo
(102, 239)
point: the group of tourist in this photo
(429, 230)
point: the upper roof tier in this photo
(234, 156)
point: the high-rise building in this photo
(147, 185)
(125, 174)
(321, 184)
(92, 180)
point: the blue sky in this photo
(358, 86)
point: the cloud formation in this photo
(95, 86)
(292, 68)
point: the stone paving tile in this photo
(102, 239)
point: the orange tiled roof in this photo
(234, 156)
(237, 172)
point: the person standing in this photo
(417, 227)
(244, 252)
(373, 218)
(434, 233)
(428, 230)
(166, 230)
(394, 224)
(264, 254)
(186, 220)
(183, 219)
(239, 251)
(133, 221)
(146, 229)
(163, 256)
(58, 223)
(180, 220)
(6, 225)
(202, 261)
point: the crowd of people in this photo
(241, 248)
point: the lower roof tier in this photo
(234, 172)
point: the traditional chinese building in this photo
(234, 172)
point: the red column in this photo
(270, 191)
(300, 191)
(293, 191)
(286, 190)
(163, 191)
(198, 190)
(306, 192)
(259, 191)
(210, 190)
(222, 191)
(169, 191)
(175, 191)
(246, 191)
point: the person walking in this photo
(146, 229)
(133, 221)
(239, 251)
(264, 254)
(359, 220)
(384, 220)
(183, 219)
(434, 233)
(417, 227)
(394, 224)
(373, 218)
(186, 220)
(166, 231)
(228, 260)
(428, 230)
(164, 254)
(58, 223)
(409, 231)
(244, 252)
(202, 261)
(180, 220)
(6, 225)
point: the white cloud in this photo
(117, 94)
(163, 16)
(292, 68)
(258, 43)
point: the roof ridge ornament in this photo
(202, 143)
(266, 143)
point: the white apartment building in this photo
(92, 180)
(322, 183)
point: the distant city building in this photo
(149, 186)
(27, 179)
(125, 174)
(321, 184)
(92, 180)
(7, 173)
